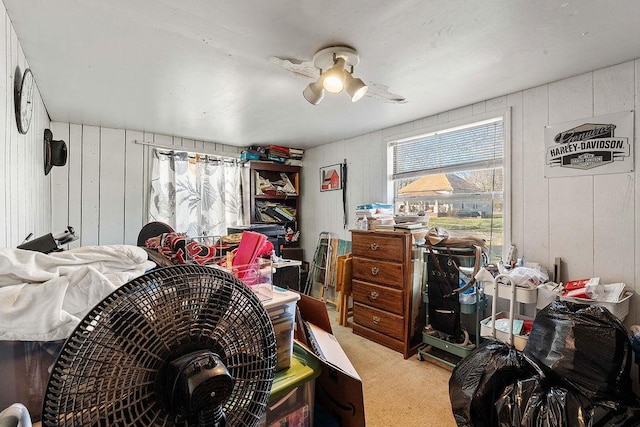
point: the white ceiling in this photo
(200, 69)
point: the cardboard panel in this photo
(339, 387)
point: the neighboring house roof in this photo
(433, 185)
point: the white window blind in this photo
(476, 146)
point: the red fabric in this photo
(177, 248)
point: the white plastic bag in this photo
(527, 277)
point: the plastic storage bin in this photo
(619, 309)
(282, 310)
(257, 276)
(523, 295)
(291, 402)
(519, 341)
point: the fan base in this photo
(323, 59)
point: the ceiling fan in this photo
(331, 69)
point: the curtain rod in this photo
(225, 154)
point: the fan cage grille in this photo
(109, 370)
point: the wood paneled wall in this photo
(103, 190)
(589, 221)
(25, 204)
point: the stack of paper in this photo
(608, 293)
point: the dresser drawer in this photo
(372, 270)
(382, 321)
(378, 296)
(378, 246)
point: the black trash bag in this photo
(585, 346)
(535, 402)
(528, 403)
(626, 414)
(479, 379)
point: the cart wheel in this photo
(420, 356)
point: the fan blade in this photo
(381, 92)
(299, 68)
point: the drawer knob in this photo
(375, 271)
(376, 319)
(374, 246)
(373, 295)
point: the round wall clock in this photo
(24, 101)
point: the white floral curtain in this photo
(195, 194)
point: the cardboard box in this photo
(339, 387)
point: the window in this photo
(196, 194)
(456, 176)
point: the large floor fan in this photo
(184, 345)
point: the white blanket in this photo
(43, 297)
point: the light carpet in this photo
(397, 392)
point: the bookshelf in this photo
(275, 191)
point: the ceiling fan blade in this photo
(381, 92)
(299, 68)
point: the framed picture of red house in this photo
(331, 177)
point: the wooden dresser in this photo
(386, 294)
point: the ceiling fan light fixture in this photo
(336, 64)
(355, 87)
(314, 93)
(334, 79)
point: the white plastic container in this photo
(519, 341)
(282, 311)
(619, 309)
(523, 295)
(257, 276)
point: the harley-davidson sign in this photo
(591, 146)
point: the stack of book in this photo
(274, 153)
(295, 157)
(277, 153)
(375, 209)
(378, 215)
(283, 186)
(274, 212)
(253, 152)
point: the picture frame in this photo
(331, 177)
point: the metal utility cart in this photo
(449, 272)
(507, 289)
